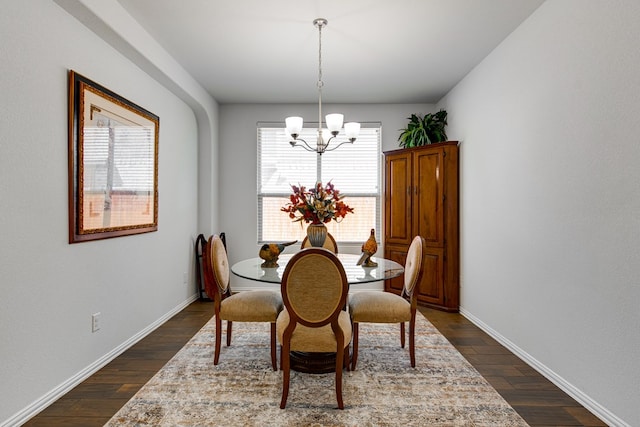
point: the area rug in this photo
(242, 390)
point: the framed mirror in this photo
(113, 164)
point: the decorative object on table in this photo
(318, 206)
(334, 121)
(369, 248)
(424, 130)
(270, 252)
(317, 234)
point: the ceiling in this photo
(373, 51)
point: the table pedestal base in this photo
(313, 363)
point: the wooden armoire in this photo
(421, 198)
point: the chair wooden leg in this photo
(286, 373)
(347, 358)
(339, 362)
(216, 356)
(273, 346)
(402, 333)
(412, 341)
(229, 325)
(354, 356)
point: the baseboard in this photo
(43, 402)
(594, 407)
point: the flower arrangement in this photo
(317, 205)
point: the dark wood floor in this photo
(97, 399)
(536, 399)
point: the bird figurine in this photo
(369, 248)
(270, 252)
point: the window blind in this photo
(131, 159)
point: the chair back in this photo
(314, 287)
(329, 243)
(413, 265)
(216, 268)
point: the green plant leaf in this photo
(423, 130)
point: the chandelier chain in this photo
(320, 83)
(320, 24)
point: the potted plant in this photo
(423, 130)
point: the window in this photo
(354, 169)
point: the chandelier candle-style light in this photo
(333, 121)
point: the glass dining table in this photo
(318, 363)
(387, 269)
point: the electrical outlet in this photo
(184, 277)
(95, 322)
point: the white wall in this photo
(49, 287)
(550, 223)
(550, 201)
(238, 154)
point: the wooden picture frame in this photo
(113, 164)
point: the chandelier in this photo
(333, 121)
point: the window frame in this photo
(312, 126)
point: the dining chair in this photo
(314, 292)
(329, 243)
(385, 307)
(246, 306)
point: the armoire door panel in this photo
(431, 287)
(398, 199)
(428, 202)
(399, 255)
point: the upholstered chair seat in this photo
(379, 307)
(252, 306)
(314, 340)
